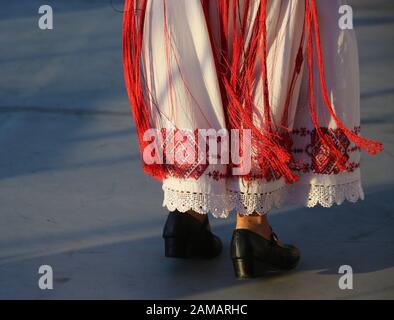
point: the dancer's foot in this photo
(255, 248)
(188, 237)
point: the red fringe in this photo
(267, 147)
(236, 69)
(371, 146)
(133, 24)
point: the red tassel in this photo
(268, 149)
(370, 146)
(326, 140)
(133, 24)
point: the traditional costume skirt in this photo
(281, 73)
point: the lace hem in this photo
(222, 205)
(328, 195)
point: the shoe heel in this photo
(244, 268)
(175, 248)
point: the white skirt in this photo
(184, 90)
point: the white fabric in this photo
(195, 102)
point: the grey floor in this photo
(72, 194)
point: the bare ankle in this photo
(256, 223)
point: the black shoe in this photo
(253, 255)
(186, 237)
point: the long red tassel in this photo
(268, 148)
(370, 146)
(133, 24)
(326, 140)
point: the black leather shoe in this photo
(186, 237)
(254, 255)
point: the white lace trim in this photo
(329, 195)
(221, 205)
(248, 203)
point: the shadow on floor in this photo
(129, 258)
